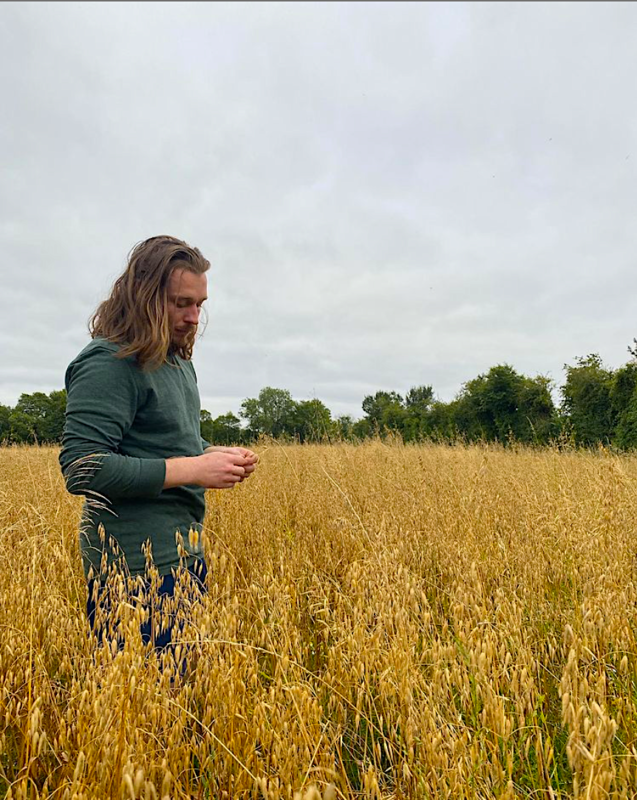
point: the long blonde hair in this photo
(136, 313)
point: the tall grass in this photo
(382, 621)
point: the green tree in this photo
(622, 387)
(626, 430)
(502, 403)
(35, 406)
(540, 420)
(271, 413)
(586, 400)
(312, 421)
(442, 422)
(363, 429)
(385, 411)
(623, 397)
(52, 427)
(488, 405)
(206, 425)
(416, 423)
(21, 428)
(344, 426)
(46, 415)
(226, 430)
(5, 424)
(419, 397)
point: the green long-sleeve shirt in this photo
(121, 425)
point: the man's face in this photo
(186, 293)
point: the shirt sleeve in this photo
(204, 443)
(102, 400)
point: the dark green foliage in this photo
(5, 425)
(53, 423)
(541, 422)
(385, 411)
(206, 424)
(419, 397)
(599, 405)
(344, 427)
(271, 413)
(622, 388)
(626, 430)
(503, 405)
(587, 402)
(21, 428)
(362, 429)
(441, 420)
(37, 418)
(623, 398)
(416, 422)
(312, 421)
(224, 430)
(227, 429)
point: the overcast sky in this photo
(389, 194)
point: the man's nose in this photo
(192, 315)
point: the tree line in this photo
(597, 405)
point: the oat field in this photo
(382, 621)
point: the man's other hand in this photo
(215, 469)
(219, 470)
(252, 459)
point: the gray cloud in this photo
(390, 194)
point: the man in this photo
(132, 443)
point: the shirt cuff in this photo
(152, 476)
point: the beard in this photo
(183, 343)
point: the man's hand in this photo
(217, 468)
(251, 458)
(221, 470)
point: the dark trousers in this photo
(98, 595)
